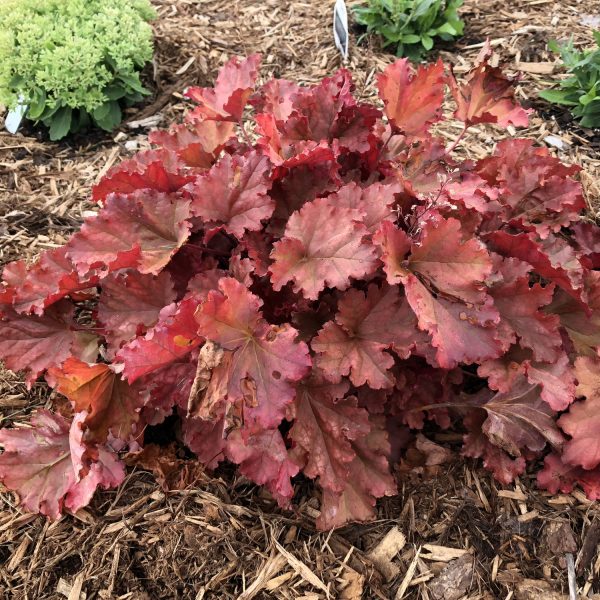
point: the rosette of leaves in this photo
(581, 91)
(74, 62)
(308, 301)
(411, 26)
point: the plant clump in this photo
(580, 92)
(411, 27)
(304, 303)
(74, 62)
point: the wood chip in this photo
(385, 551)
(442, 553)
(302, 569)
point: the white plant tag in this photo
(340, 28)
(15, 116)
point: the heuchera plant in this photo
(299, 301)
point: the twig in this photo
(571, 576)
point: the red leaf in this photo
(369, 479)
(583, 327)
(553, 258)
(110, 404)
(197, 143)
(375, 202)
(157, 170)
(461, 333)
(487, 96)
(34, 344)
(455, 267)
(172, 338)
(364, 328)
(226, 101)
(264, 459)
(51, 278)
(520, 419)
(583, 419)
(301, 180)
(234, 193)
(587, 236)
(266, 359)
(324, 424)
(166, 388)
(413, 101)
(322, 247)
(142, 230)
(39, 464)
(130, 302)
(535, 190)
(477, 445)
(519, 305)
(206, 439)
(276, 97)
(557, 476)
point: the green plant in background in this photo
(581, 91)
(411, 25)
(74, 62)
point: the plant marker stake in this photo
(15, 116)
(340, 28)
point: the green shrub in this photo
(581, 91)
(411, 25)
(74, 62)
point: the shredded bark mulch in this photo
(452, 533)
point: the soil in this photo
(452, 532)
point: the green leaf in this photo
(61, 123)
(133, 81)
(114, 91)
(557, 97)
(410, 38)
(109, 117)
(427, 42)
(37, 105)
(447, 28)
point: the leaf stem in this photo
(458, 139)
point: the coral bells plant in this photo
(305, 302)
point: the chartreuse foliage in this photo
(74, 62)
(305, 302)
(411, 26)
(581, 91)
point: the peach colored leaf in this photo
(142, 230)
(364, 328)
(583, 419)
(172, 338)
(324, 425)
(369, 479)
(487, 96)
(413, 101)
(461, 333)
(266, 359)
(234, 85)
(110, 404)
(157, 170)
(264, 459)
(197, 143)
(455, 267)
(234, 193)
(322, 247)
(38, 463)
(130, 302)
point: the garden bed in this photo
(224, 538)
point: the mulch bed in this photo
(452, 532)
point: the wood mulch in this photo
(452, 532)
